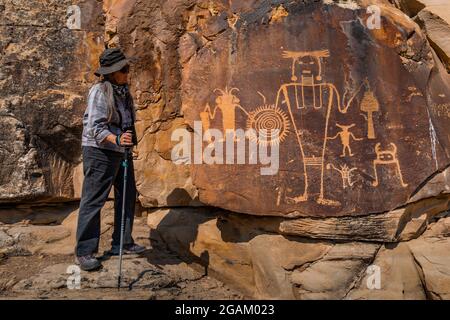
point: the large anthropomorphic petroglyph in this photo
(310, 101)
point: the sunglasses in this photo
(125, 69)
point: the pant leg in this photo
(130, 204)
(100, 168)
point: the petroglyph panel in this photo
(353, 125)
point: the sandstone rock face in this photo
(185, 50)
(400, 276)
(45, 72)
(359, 129)
(274, 255)
(266, 265)
(398, 225)
(148, 31)
(362, 184)
(228, 260)
(417, 269)
(384, 135)
(160, 181)
(434, 17)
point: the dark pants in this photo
(103, 169)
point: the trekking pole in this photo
(122, 223)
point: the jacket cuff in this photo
(102, 136)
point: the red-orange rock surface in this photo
(364, 111)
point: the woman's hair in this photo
(107, 89)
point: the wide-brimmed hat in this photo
(111, 60)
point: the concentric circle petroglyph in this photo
(265, 122)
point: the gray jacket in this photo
(102, 118)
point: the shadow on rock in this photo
(176, 230)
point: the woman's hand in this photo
(126, 139)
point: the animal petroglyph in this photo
(346, 174)
(384, 158)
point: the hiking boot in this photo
(127, 249)
(88, 263)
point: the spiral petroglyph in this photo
(270, 125)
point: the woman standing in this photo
(108, 128)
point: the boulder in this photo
(332, 277)
(434, 17)
(198, 47)
(273, 257)
(437, 185)
(399, 276)
(430, 253)
(437, 31)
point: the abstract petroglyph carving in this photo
(369, 105)
(384, 158)
(346, 174)
(441, 110)
(345, 136)
(264, 121)
(413, 93)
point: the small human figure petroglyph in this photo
(345, 136)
